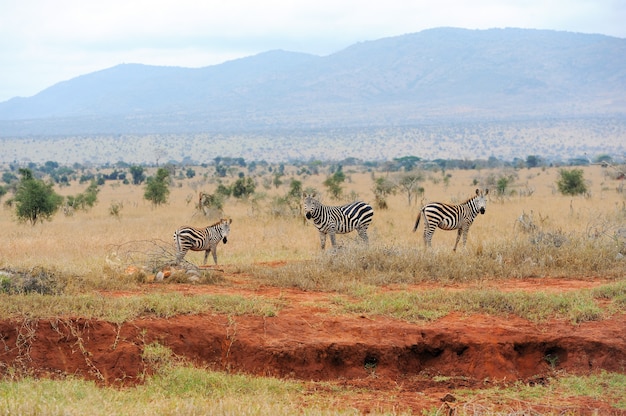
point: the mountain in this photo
(434, 75)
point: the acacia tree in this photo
(157, 189)
(35, 200)
(409, 184)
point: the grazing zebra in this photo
(201, 239)
(342, 219)
(451, 217)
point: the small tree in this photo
(85, 200)
(34, 199)
(333, 183)
(295, 189)
(157, 189)
(502, 185)
(532, 161)
(571, 182)
(383, 187)
(243, 187)
(137, 174)
(409, 183)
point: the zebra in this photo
(451, 217)
(331, 220)
(201, 239)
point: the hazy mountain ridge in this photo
(439, 93)
(441, 73)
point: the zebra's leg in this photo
(333, 240)
(428, 235)
(458, 237)
(214, 250)
(465, 231)
(180, 255)
(363, 234)
(323, 240)
(206, 255)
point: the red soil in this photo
(390, 364)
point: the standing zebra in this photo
(201, 239)
(342, 219)
(451, 217)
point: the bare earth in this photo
(388, 364)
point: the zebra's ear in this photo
(486, 191)
(477, 191)
(230, 220)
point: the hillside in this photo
(437, 74)
(440, 93)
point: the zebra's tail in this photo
(417, 221)
(177, 245)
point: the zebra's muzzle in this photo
(482, 210)
(308, 215)
(225, 240)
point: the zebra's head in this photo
(310, 204)
(224, 226)
(480, 201)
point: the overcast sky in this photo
(43, 42)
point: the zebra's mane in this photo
(468, 200)
(218, 222)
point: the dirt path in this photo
(393, 363)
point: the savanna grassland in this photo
(528, 318)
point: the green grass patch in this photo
(184, 391)
(122, 309)
(551, 397)
(433, 304)
(175, 388)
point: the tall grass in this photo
(382, 265)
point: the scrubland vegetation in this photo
(530, 230)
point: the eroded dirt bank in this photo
(300, 344)
(306, 341)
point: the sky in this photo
(43, 42)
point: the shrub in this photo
(157, 189)
(571, 182)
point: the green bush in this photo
(571, 182)
(157, 189)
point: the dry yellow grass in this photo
(80, 244)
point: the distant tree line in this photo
(34, 199)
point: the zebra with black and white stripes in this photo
(451, 217)
(201, 239)
(332, 220)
